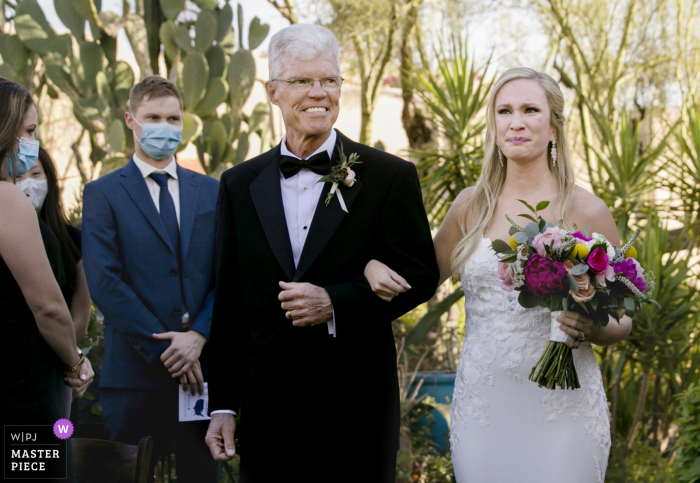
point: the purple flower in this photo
(581, 236)
(544, 277)
(598, 261)
(632, 270)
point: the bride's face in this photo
(523, 130)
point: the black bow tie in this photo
(318, 163)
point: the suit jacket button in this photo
(177, 311)
(173, 272)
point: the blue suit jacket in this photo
(131, 270)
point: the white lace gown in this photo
(504, 428)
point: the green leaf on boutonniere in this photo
(325, 179)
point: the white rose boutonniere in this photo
(341, 173)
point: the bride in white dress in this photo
(504, 428)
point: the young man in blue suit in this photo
(148, 238)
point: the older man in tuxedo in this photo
(301, 347)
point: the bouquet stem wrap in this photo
(556, 364)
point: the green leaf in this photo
(528, 206)
(123, 82)
(88, 10)
(512, 231)
(499, 246)
(167, 38)
(216, 59)
(206, 4)
(565, 305)
(217, 144)
(572, 283)
(181, 34)
(205, 29)
(532, 230)
(115, 135)
(195, 73)
(579, 269)
(426, 323)
(191, 127)
(528, 217)
(629, 304)
(528, 300)
(14, 52)
(92, 58)
(258, 116)
(520, 237)
(542, 205)
(256, 33)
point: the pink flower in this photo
(608, 275)
(549, 237)
(504, 276)
(598, 261)
(586, 290)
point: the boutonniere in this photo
(341, 173)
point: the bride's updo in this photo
(482, 204)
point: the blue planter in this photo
(439, 385)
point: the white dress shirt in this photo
(300, 195)
(153, 188)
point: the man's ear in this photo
(129, 120)
(271, 92)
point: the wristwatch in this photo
(78, 364)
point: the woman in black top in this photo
(39, 350)
(40, 184)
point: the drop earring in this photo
(554, 152)
(500, 156)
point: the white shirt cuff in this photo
(224, 411)
(331, 325)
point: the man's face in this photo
(159, 109)
(306, 112)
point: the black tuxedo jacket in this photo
(299, 389)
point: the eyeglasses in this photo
(305, 84)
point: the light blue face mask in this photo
(159, 140)
(25, 158)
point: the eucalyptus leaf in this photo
(579, 269)
(629, 304)
(532, 230)
(572, 283)
(565, 305)
(520, 237)
(513, 231)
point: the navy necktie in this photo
(167, 211)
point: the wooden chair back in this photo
(98, 460)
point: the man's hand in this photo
(219, 438)
(80, 380)
(305, 304)
(194, 378)
(184, 350)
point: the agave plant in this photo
(684, 166)
(454, 97)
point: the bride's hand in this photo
(578, 327)
(385, 282)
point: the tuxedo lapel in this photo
(135, 185)
(267, 198)
(189, 197)
(327, 219)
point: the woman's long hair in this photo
(15, 100)
(55, 218)
(482, 204)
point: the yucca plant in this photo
(684, 165)
(454, 97)
(624, 170)
(659, 358)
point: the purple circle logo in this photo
(63, 428)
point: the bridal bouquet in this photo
(564, 270)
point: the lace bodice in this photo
(502, 343)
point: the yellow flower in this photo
(513, 244)
(631, 253)
(580, 251)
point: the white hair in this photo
(300, 41)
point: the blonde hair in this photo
(482, 204)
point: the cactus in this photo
(203, 55)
